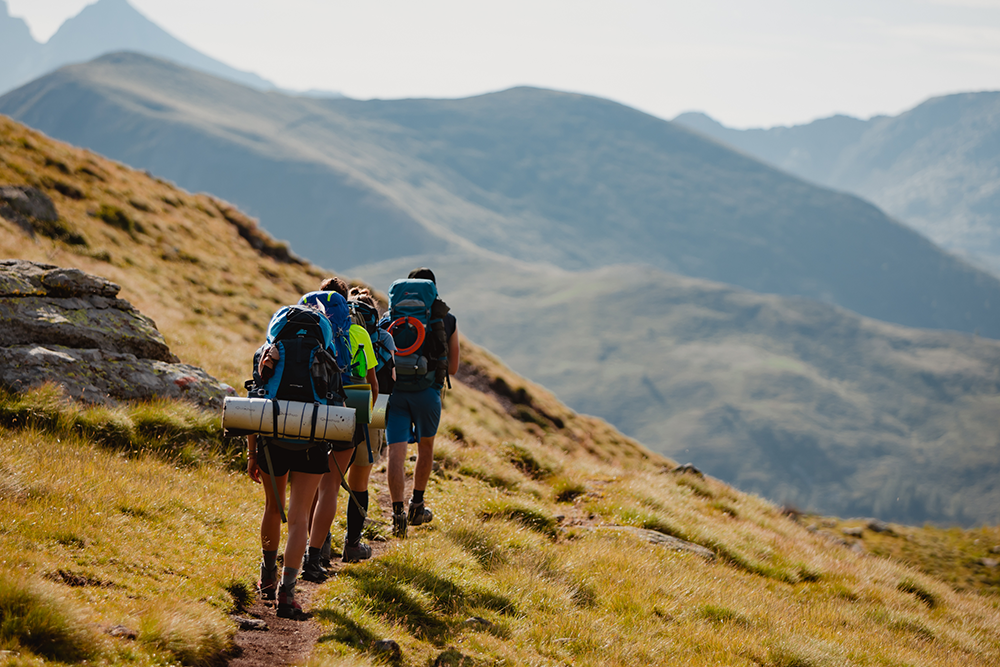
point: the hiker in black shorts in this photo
(302, 469)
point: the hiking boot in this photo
(418, 514)
(324, 551)
(267, 585)
(287, 606)
(313, 571)
(399, 525)
(356, 552)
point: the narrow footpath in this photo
(288, 642)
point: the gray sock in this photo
(289, 575)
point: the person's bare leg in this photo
(395, 471)
(425, 463)
(270, 521)
(303, 489)
(326, 506)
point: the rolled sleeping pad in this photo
(359, 397)
(378, 412)
(256, 415)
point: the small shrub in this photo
(242, 594)
(118, 219)
(194, 637)
(922, 594)
(37, 621)
(719, 614)
(566, 490)
(526, 461)
(698, 487)
(529, 516)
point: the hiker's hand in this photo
(254, 470)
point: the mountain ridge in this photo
(102, 27)
(509, 172)
(933, 166)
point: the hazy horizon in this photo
(780, 62)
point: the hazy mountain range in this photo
(536, 175)
(935, 167)
(103, 27)
(552, 219)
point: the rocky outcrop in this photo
(69, 327)
(19, 204)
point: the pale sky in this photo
(747, 63)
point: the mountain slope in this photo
(103, 27)
(934, 167)
(798, 401)
(556, 540)
(532, 174)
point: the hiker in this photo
(308, 373)
(360, 368)
(365, 315)
(423, 366)
(303, 470)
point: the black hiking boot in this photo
(399, 525)
(324, 551)
(356, 552)
(418, 514)
(287, 606)
(267, 585)
(313, 571)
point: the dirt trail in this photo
(288, 642)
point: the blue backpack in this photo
(305, 371)
(334, 305)
(416, 322)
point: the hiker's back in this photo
(416, 323)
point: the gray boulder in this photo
(66, 326)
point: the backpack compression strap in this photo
(418, 326)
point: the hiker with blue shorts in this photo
(426, 337)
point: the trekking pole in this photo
(343, 484)
(274, 483)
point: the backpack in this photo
(334, 305)
(366, 316)
(416, 322)
(305, 370)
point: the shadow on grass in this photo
(427, 604)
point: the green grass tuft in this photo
(32, 619)
(921, 592)
(528, 515)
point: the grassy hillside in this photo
(537, 175)
(801, 402)
(131, 532)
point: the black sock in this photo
(355, 519)
(397, 508)
(418, 497)
(270, 559)
(313, 554)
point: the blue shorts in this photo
(412, 415)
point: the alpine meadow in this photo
(605, 254)
(558, 540)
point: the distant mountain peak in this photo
(105, 26)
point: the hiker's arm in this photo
(252, 468)
(453, 352)
(373, 381)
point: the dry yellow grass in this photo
(529, 559)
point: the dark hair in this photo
(334, 284)
(364, 295)
(423, 273)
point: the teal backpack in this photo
(416, 323)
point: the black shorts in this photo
(314, 460)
